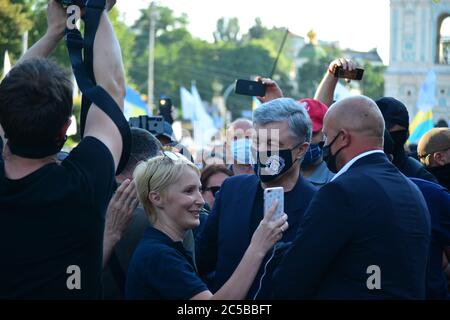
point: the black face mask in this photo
(442, 173)
(399, 138)
(275, 164)
(330, 158)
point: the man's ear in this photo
(63, 131)
(345, 137)
(439, 158)
(301, 150)
(156, 199)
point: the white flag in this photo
(187, 104)
(6, 64)
(203, 124)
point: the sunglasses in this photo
(213, 190)
(172, 156)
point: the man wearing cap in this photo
(434, 153)
(313, 166)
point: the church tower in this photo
(419, 42)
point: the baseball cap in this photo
(316, 111)
(394, 112)
(168, 132)
(437, 139)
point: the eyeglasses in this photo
(213, 190)
(173, 156)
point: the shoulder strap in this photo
(84, 74)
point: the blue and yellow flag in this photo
(134, 105)
(423, 120)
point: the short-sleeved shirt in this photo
(51, 226)
(162, 269)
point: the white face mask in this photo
(241, 150)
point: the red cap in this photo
(316, 111)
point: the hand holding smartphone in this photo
(270, 195)
(356, 74)
(250, 88)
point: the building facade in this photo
(419, 42)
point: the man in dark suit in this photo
(283, 130)
(366, 233)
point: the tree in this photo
(257, 31)
(227, 30)
(14, 22)
(372, 84)
(311, 73)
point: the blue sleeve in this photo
(326, 227)
(444, 217)
(207, 241)
(169, 274)
(93, 160)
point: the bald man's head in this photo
(241, 123)
(240, 129)
(359, 115)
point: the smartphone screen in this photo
(356, 74)
(272, 194)
(250, 88)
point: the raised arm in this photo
(325, 91)
(56, 23)
(109, 74)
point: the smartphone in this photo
(250, 88)
(272, 194)
(356, 74)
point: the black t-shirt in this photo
(257, 211)
(162, 269)
(51, 226)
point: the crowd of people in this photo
(362, 219)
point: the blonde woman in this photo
(169, 188)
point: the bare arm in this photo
(56, 23)
(273, 91)
(325, 91)
(118, 217)
(267, 234)
(109, 74)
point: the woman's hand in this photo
(269, 231)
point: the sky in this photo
(356, 24)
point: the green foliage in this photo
(372, 84)
(181, 59)
(14, 21)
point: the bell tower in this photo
(419, 42)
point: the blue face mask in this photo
(313, 155)
(242, 151)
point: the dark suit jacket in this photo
(372, 215)
(226, 236)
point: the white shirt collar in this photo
(351, 162)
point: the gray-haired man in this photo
(283, 132)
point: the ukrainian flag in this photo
(423, 120)
(134, 105)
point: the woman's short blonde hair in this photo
(157, 175)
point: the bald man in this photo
(366, 233)
(239, 143)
